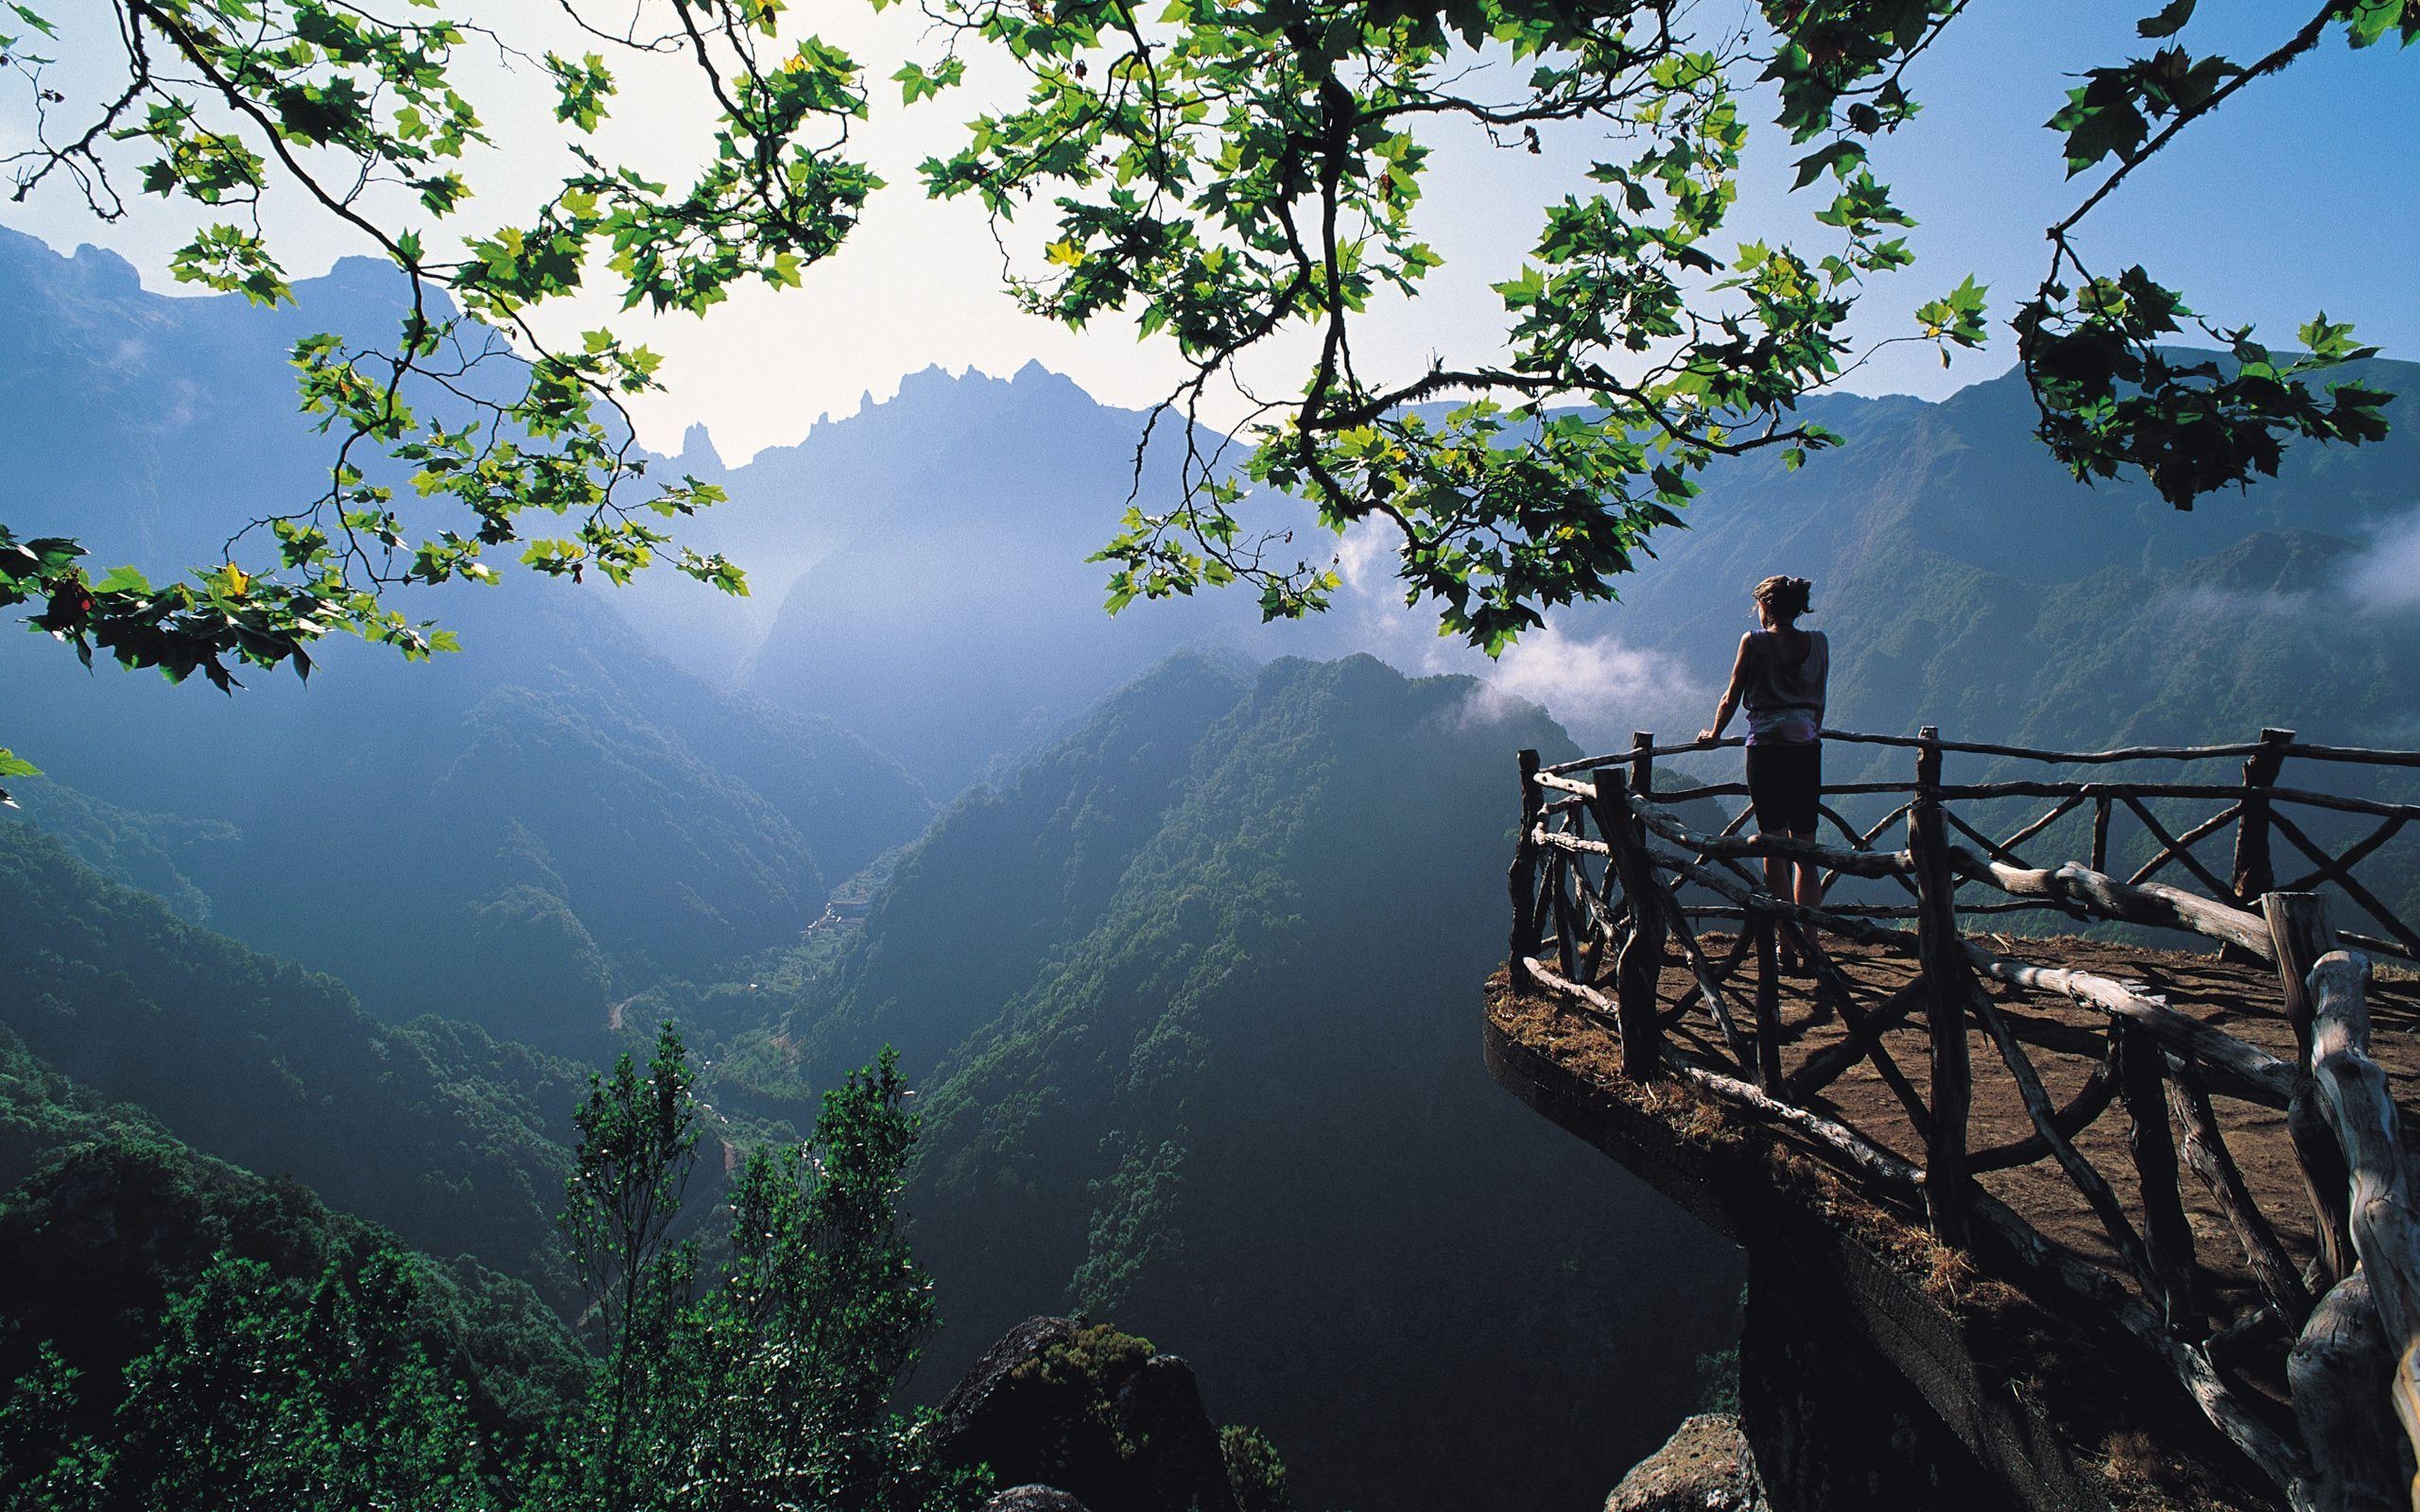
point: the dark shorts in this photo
(1784, 781)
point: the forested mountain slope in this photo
(974, 911)
(1191, 993)
(455, 1140)
(518, 835)
(106, 1218)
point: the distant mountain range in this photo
(918, 573)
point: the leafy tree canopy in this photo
(1232, 176)
(268, 1380)
(1235, 173)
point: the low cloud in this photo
(2204, 605)
(1597, 681)
(2385, 579)
(1597, 688)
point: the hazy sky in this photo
(2301, 195)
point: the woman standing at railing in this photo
(1780, 675)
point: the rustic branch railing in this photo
(1634, 897)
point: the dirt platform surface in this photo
(2065, 1041)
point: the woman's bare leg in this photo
(1810, 878)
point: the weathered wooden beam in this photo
(2353, 855)
(1742, 895)
(2205, 1150)
(1897, 1176)
(1522, 878)
(2260, 1328)
(1641, 962)
(2360, 1109)
(2308, 797)
(1767, 1000)
(1949, 984)
(1833, 984)
(1565, 840)
(2356, 755)
(1567, 924)
(2375, 947)
(2059, 758)
(1865, 841)
(2352, 755)
(2300, 938)
(2149, 903)
(1825, 1066)
(2168, 1237)
(2338, 1372)
(2087, 1179)
(2016, 1244)
(2052, 815)
(1668, 825)
(1597, 1006)
(1597, 916)
(1966, 910)
(2254, 873)
(2091, 1100)
(2185, 842)
(2005, 856)
(2169, 846)
(1709, 982)
(1577, 787)
(2236, 1067)
(2351, 886)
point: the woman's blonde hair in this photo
(1787, 598)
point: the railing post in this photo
(1640, 966)
(2254, 873)
(1522, 878)
(2100, 833)
(2300, 933)
(1567, 916)
(1949, 982)
(2363, 1114)
(1642, 763)
(1767, 999)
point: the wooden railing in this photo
(1611, 886)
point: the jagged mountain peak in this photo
(698, 452)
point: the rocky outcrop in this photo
(1033, 1499)
(1705, 1467)
(1096, 1414)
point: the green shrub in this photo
(1254, 1471)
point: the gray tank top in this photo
(1785, 699)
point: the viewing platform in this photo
(2060, 1188)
